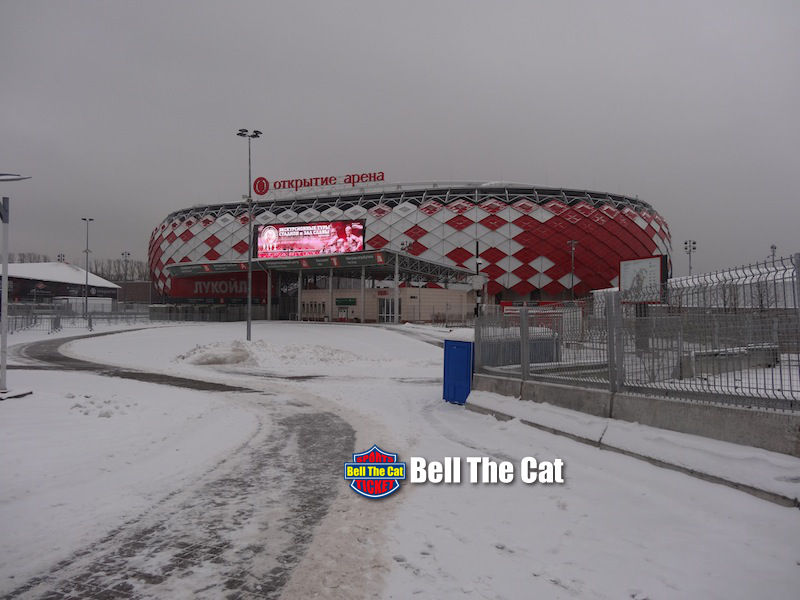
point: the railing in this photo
(44, 317)
(731, 337)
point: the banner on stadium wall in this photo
(230, 285)
(309, 239)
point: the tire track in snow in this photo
(237, 533)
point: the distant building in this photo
(42, 282)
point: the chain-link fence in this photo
(731, 336)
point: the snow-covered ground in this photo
(84, 454)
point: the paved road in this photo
(236, 532)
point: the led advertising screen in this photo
(310, 239)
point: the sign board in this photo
(643, 279)
(261, 186)
(345, 301)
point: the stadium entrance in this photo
(370, 287)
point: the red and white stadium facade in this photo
(522, 233)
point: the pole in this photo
(330, 295)
(796, 260)
(363, 300)
(300, 295)
(396, 288)
(269, 295)
(249, 242)
(86, 286)
(247, 134)
(4, 308)
(572, 244)
(478, 292)
(125, 256)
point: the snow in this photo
(84, 453)
(770, 471)
(617, 528)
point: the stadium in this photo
(530, 243)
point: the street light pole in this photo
(125, 257)
(572, 244)
(4, 325)
(478, 292)
(690, 247)
(4, 208)
(86, 287)
(250, 136)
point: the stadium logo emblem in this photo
(374, 473)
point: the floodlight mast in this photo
(690, 247)
(250, 136)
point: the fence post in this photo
(616, 350)
(797, 287)
(525, 346)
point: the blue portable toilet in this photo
(458, 365)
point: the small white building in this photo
(59, 283)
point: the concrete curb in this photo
(773, 497)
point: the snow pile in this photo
(218, 353)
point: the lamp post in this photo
(125, 256)
(4, 207)
(478, 292)
(86, 287)
(572, 244)
(4, 212)
(250, 136)
(690, 247)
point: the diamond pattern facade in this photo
(521, 233)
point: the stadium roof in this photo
(393, 194)
(57, 272)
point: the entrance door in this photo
(343, 314)
(385, 310)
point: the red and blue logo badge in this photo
(375, 473)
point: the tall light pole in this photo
(690, 247)
(250, 136)
(4, 212)
(125, 256)
(86, 287)
(4, 325)
(572, 244)
(478, 292)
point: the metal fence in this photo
(731, 337)
(42, 317)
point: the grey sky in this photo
(124, 112)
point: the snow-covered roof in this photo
(57, 272)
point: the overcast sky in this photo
(127, 111)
